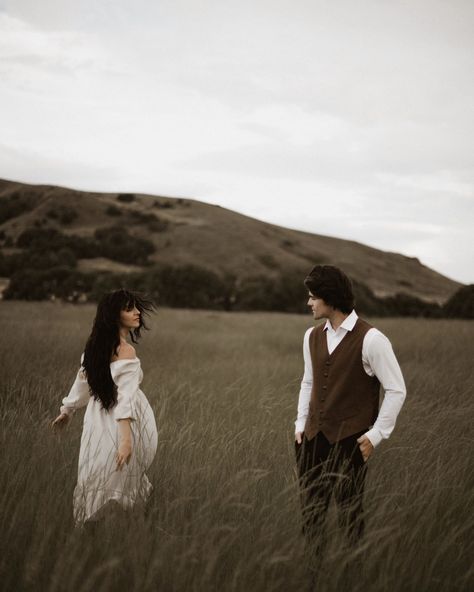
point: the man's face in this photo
(319, 308)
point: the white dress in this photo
(98, 480)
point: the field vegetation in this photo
(225, 510)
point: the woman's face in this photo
(130, 319)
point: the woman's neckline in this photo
(125, 360)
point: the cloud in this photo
(41, 169)
(356, 123)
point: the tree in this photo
(126, 197)
(115, 243)
(461, 304)
(41, 284)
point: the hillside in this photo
(186, 231)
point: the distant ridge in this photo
(187, 231)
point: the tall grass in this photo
(225, 510)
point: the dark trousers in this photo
(324, 470)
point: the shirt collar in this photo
(348, 324)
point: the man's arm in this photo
(378, 358)
(306, 386)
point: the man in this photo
(339, 423)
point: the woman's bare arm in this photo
(124, 452)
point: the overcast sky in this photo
(351, 119)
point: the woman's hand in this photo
(124, 453)
(125, 443)
(60, 421)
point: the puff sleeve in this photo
(127, 376)
(79, 394)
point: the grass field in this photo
(225, 511)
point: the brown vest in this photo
(344, 398)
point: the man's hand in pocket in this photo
(366, 447)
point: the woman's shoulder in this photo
(123, 367)
(125, 362)
(125, 351)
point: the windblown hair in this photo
(332, 285)
(104, 341)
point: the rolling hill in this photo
(186, 231)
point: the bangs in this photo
(129, 304)
(127, 299)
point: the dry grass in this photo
(225, 512)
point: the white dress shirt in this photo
(378, 360)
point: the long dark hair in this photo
(104, 340)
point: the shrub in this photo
(366, 302)
(256, 293)
(285, 293)
(4, 268)
(15, 204)
(41, 284)
(113, 211)
(38, 238)
(157, 225)
(115, 243)
(67, 215)
(461, 304)
(63, 214)
(41, 259)
(404, 305)
(292, 293)
(126, 197)
(107, 282)
(268, 261)
(153, 223)
(165, 205)
(51, 239)
(187, 286)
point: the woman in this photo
(119, 436)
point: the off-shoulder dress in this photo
(98, 480)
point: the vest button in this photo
(325, 374)
(325, 387)
(323, 399)
(328, 363)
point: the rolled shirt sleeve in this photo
(127, 376)
(306, 385)
(379, 360)
(78, 396)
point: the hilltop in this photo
(187, 231)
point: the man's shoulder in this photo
(307, 335)
(374, 338)
(313, 335)
(314, 330)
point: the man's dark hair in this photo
(332, 285)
